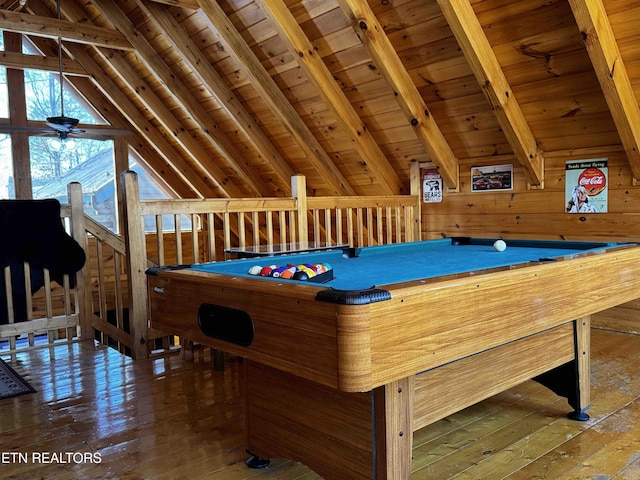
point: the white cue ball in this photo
(499, 245)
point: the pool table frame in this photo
(341, 388)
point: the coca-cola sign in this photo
(594, 180)
(586, 186)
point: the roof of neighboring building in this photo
(93, 174)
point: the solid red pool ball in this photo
(265, 271)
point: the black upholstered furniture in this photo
(31, 231)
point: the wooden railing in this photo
(56, 313)
(214, 226)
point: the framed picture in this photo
(492, 177)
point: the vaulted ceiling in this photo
(231, 98)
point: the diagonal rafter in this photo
(44, 26)
(211, 172)
(388, 62)
(275, 99)
(183, 96)
(602, 47)
(215, 84)
(288, 29)
(167, 158)
(476, 48)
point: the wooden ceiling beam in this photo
(190, 4)
(216, 85)
(476, 48)
(48, 27)
(183, 97)
(20, 61)
(275, 99)
(388, 63)
(602, 47)
(372, 156)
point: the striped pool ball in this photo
(288, 272)
(277, 272)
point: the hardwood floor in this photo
(168, 419)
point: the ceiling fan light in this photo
(69, 143)
(56, 144)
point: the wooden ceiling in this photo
(231, 98)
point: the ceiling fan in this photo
(63, 127)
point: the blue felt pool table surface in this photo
(388, 264)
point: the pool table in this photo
(340, 373)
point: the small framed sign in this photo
(587, 186)
(431, 186)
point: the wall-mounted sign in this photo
(431, 186)
(586, 186)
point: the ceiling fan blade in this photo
(10, 129)
(89, 131)
(104, 131)
(60, 128)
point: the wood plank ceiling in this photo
(230, 98)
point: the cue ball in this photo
(255, 270)
(500, 246)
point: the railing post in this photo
(416, 189)
(136, 265)
(83, 277)
(299, 192)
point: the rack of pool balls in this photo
(319, 272)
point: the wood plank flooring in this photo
(167, 419)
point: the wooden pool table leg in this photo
(393, 429)
(573, 380)
(583, 367)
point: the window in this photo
(4, 95)
(42, 91)
(149, 190)
(6, 168)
